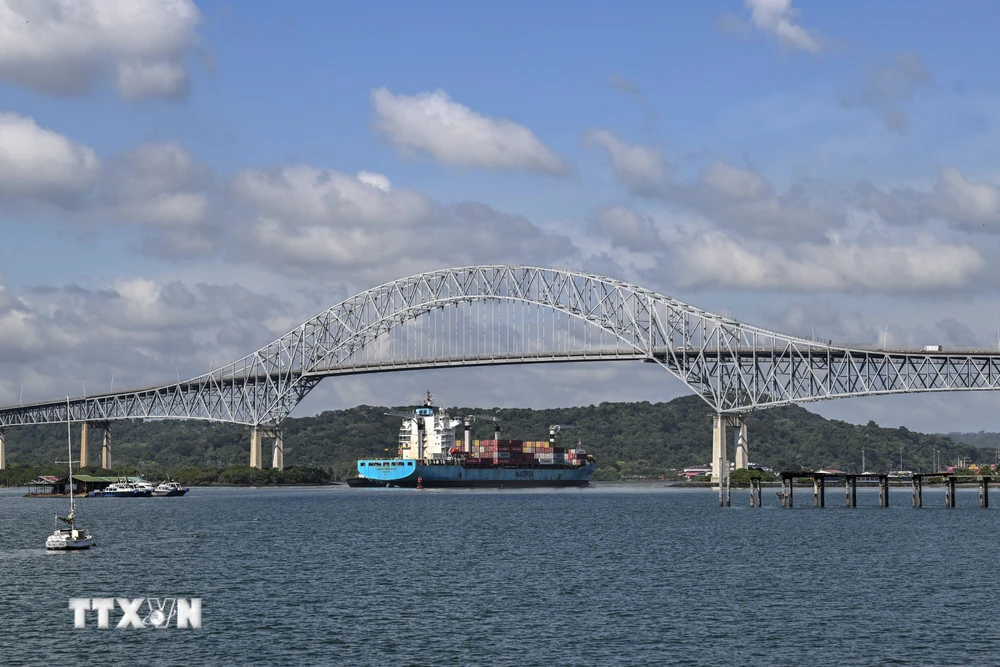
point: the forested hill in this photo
(982, 439)
(628, 439)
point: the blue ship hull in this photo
(407, 473)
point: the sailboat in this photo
(70, 537)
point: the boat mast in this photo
(69, 459)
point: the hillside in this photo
(982, 439)
(628, 439)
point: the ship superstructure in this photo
(427, 435)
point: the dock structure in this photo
(820, 478)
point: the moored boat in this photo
(171, 488)
(123, 490)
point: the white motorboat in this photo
(144, 488)
(125, 490)
(70, 538)
(169, 489)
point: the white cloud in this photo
(304, 194)
(335, 248)
(302, 218)
(713, 260)
(156, 184)
(957, 198)
(38, 162)
(69, 46)
(727, 195)
(641, 169)
(137, 328)
(137, 80)
(379, 181)
(778, 18)
(626, 228)
(454, 134)
(964, 203)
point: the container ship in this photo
(430, 457)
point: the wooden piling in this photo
(883, 491)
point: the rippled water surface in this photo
(610, 575)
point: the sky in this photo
(183, 182)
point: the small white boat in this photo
(169, 489)
(71, 538)
(125, 490)
(68, 539)
(143, 487)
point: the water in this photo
(610, 575)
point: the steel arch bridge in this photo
(490, 315)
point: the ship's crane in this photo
(471, 419)
(556, 428)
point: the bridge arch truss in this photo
(490, 315)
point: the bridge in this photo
(492, 315)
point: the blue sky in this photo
(181, 181)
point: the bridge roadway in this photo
(497, 315)
(139, 403)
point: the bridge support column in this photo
(742, 449)
(3, 452)
(984, 492)
(720, 463)
(84, 434)
(106, 448)
(256, 450)
(883, 491)
(278, 459)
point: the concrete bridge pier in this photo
(720, 459)
(106, 447)
(984, 492)
(3, 452)
(742, 448)
(256, 450)
(84, 435)
(278, 458)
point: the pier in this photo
(884, 481)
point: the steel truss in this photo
(489, 315)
